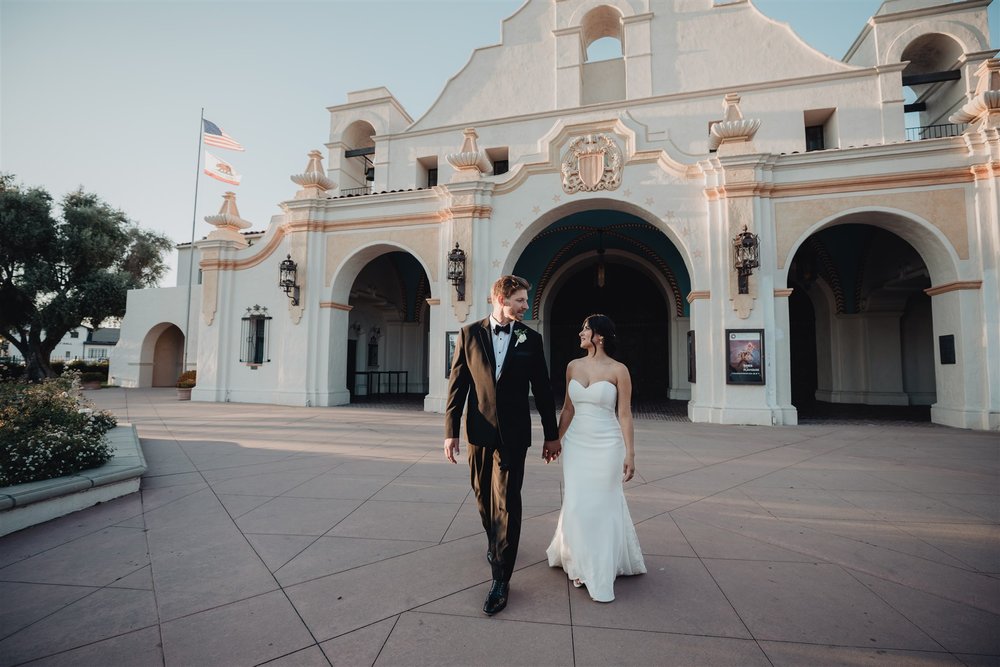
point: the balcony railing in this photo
(934, 131)
(354, 192)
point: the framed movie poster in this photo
(692, 374)
(450, 340)
(744, 356)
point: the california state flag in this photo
(221, 170)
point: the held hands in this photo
(451, 449)
(628, 469)
(551, 450)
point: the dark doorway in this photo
(876, 340)
(802, 347)
(639, 310)
(352, 365)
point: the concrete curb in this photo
(24, 505)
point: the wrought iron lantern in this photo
(456, 270)
(286, 279)
(746, 257)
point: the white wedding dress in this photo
(595, 540)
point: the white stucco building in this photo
(619, 186)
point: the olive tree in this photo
(61, 272)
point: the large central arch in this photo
(602, 258)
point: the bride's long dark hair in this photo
(601, 325)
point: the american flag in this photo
(214, 136)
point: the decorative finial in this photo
(470, 163)
(733, 133)
(313, 180)
(227, 221)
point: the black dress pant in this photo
(498, 493)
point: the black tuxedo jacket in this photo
(498, 416)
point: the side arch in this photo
(161, 355)
(930, 243)
(345, 265)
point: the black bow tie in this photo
(497, 328)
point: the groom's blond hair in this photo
(505, 286)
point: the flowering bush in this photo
(47, 430)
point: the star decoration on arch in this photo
(555, 199)
(518, 225)
(536, 209)
(649, 201)
(505, 243)
(496, 263)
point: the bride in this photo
(595, 540)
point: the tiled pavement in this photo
(316, 536)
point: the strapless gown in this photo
(595, 540)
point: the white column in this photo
(437, 392)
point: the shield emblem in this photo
(592, 168)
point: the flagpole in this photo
(194, 217)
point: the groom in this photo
(496, 360)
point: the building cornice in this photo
(376, 101)
(616, 106)
(699, 294)
(953, 286)
(868, 182)
(910, 14)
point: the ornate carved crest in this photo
(592, 162)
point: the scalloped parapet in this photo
(984, 107)
(313, 180)
(227, 221)
(469, 162)
(734, 133)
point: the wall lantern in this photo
(286, 280)
(746, 258)
(456, 270)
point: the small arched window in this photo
(602, 33)
(931, 85)
(604, 68)
(358, 171)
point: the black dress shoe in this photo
(497, 598)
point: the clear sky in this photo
(107, 94)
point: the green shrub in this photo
(47, 431)
(91, 376)
(85, 367)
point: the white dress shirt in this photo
(501, 342)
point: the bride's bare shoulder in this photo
(621, 369)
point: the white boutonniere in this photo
(520, 337)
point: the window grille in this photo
(254, 334)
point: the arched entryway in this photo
(162, 356)
(614, 262)
(388, 330)
(861, 326)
